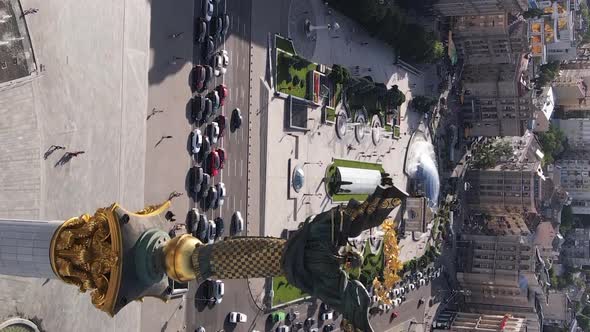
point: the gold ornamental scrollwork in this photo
(86, 252)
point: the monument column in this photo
(24, 247)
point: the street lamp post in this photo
(310, 28)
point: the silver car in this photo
(197, 141)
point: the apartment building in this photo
(575, 251)
(479, 7)
(476, 322)
(574, 169)
(577, 131)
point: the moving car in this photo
(237, 317)
(236, 119)
(207, 109)
(206, 147)
(211, 198)
(220, 120)
(196, 179)
(237, 223)
(221, 153)
(201, 30)
(207, 10)
(208, 48)
(220, 194)
(219, 227)
(197, 141)
(220, 62)
(211, 231)
(215, 290)
(213, 163)
(223, 92)
(225, 58)
(214, 97)
(208, 74)
(199, 76)
(216, 26)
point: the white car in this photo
(237, 223)
(220, 193)
(412, 286)
(197, 141)
(225, 58)
(328, 315)
(213, 132)
(397, 302)
(220, 63)
(396, 292)
(420, 274)
(237, 317)
(422, 282)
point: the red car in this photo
(223, 92)
(221, 122)
(221, 154)
(214, 163)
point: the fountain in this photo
(421, 167)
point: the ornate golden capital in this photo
(86, 252)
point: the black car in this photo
(196, 179)
(207, 109)
(216, 26)
(199, 76)
(208, 74)
(204, 185)
(225, 25)
(207, 9)
(209, 48)
(236, 119)
(309, 322)
(201, 30)
(202, 231)
(192, 221)
(297, 326)
(199, 107)
(211, 197)
(219, 227)
(205, 147)
(328, 328)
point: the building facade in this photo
(479, 7)
(577, 131)
(574, 169)
(475, 322)
(498, 99)
(544, 106)
(575, 251)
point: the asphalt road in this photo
(234, 174)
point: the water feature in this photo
(421, 166)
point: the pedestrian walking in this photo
(350, 147)
(176, 35)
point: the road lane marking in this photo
(241, 167)
(234, 206)
(235, 167)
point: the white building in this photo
(575, 180)
(545, 103)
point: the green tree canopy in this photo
(395, 97)
(553, 143)
(488, 155)
(533, 12)
(339, 74)
(547, 73)
(423, 104)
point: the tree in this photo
(553, 143)
(547, 73)
(533, 12)
(395, 97)
(339, 74)
(567, 220)
(423, 104)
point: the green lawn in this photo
(283, 292)
(331, 170)
(292, 73)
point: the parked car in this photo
(207, 10)
(201, 29)
(221, 153)
(224, 58)
(219, 227)
(206, 147)
(216, 26)
(208, 48)
(203, 229)
(328, 328)
(215, 290)
(225, 27)
(199, 76)
(236, 119)
(309, 322)
(211, 198)
(220, 120)
(200, 329)
(327, 315)
(237, 223)
(204, 185)
(421, 282)
(220, 186)
(207, 109)
(197, 141)
(297, 326)
(325, 307)
(223, 92)
(198, 106)
(208, 74)
(212, 231)
(213, 132)
(237, 317)
(214, 97)
(196, 179)
(412, 287)
(192, 221)
(213, 163)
